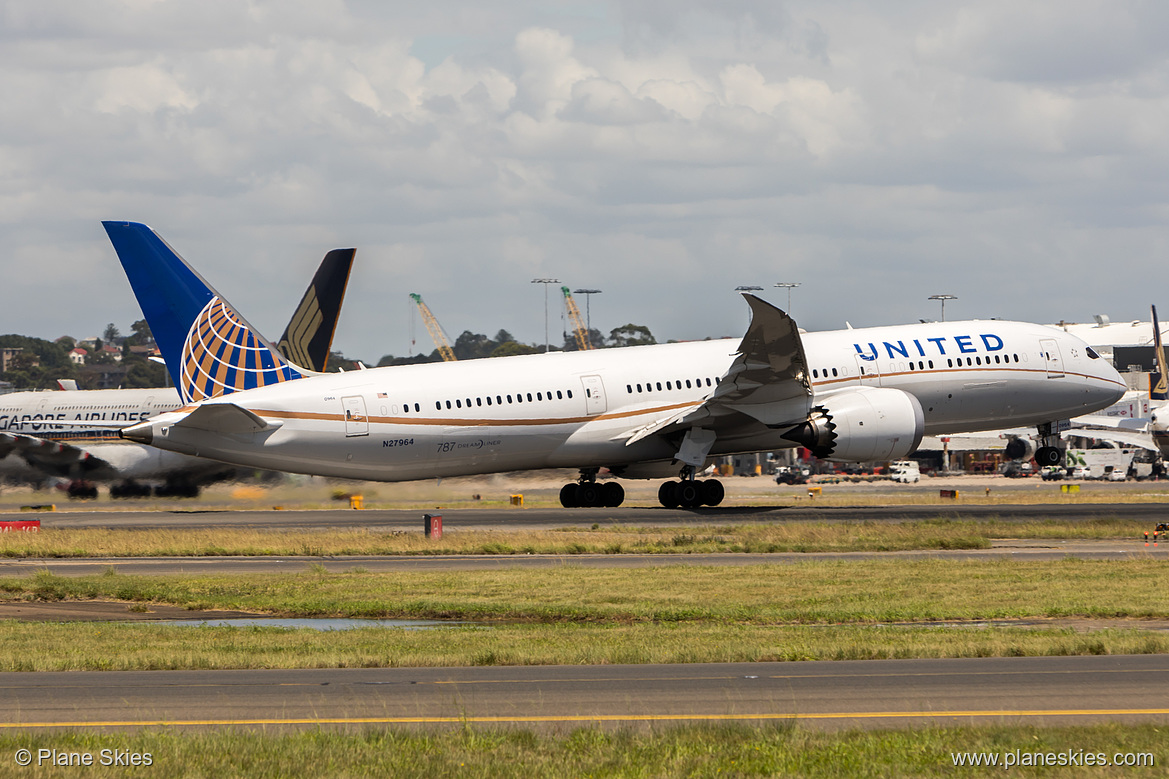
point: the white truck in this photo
(1108, 464)
(905, 471)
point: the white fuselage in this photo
(577, 409)
(44, 414)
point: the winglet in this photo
(210, 350)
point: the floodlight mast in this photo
(789, 286)
(545, 282)
(588, 293)
(943, 298)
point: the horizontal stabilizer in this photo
(54, 457)
(225, 419)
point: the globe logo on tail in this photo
(222, 355)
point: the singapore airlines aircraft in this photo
(74, 433)
(643, 411)
(1159, 393)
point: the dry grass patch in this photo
(800, 536)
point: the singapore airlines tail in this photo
(309, 334)
(209, 349)
(1159, 386)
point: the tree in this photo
(512, 348)
(110, 334)
(471, 346)
(142, 335)
(631, 335)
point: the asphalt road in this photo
(829, 695)
(508, 518)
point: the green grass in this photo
(92, 646)
(725, 750)
(567, 615)
(815, 591)
(754, 537)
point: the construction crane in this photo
(435, 330)
(578, 326)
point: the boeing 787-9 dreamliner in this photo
(644, 411)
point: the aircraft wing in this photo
(54, 457)
(1133, 438)
(767, 383)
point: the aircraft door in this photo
(356, 422)
(594, 392)
(1052, 358)
(868, 371)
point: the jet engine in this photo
(1019, 449)
(862, 424)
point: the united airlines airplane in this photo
(73, 434)
(641, 412)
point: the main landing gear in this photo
(689, 493)
(1049, 451)
(587, 493)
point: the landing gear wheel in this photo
(568, 495)
(690, 494)
(588, 495)
(668, 494)
(612, 494)
(1048, 455)
(712, 492)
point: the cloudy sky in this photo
(1013, 154)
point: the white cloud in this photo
(664, 152)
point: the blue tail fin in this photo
(208, 347)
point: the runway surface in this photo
(517, 518)
(828, 695)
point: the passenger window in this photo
(509, 398)
(639, 388)
(448, 404)
(815, 373)
(949, 362)
(499, 400)
(708, 382)
(629, 388)
(559, 396)
(478, 401)
(529, 397)
(416, 407)
(539, 396)
(489, 400)
(931, 364)
(687, 383)
(833, 371)
(458, 403)
(569, 393)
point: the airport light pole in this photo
(588, 293)
(545, 282)
(789, 286)
(943, 298)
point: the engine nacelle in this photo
(1019, 449)
(862, 424)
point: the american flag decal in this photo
(222, 355)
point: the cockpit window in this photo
(1092, 353)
